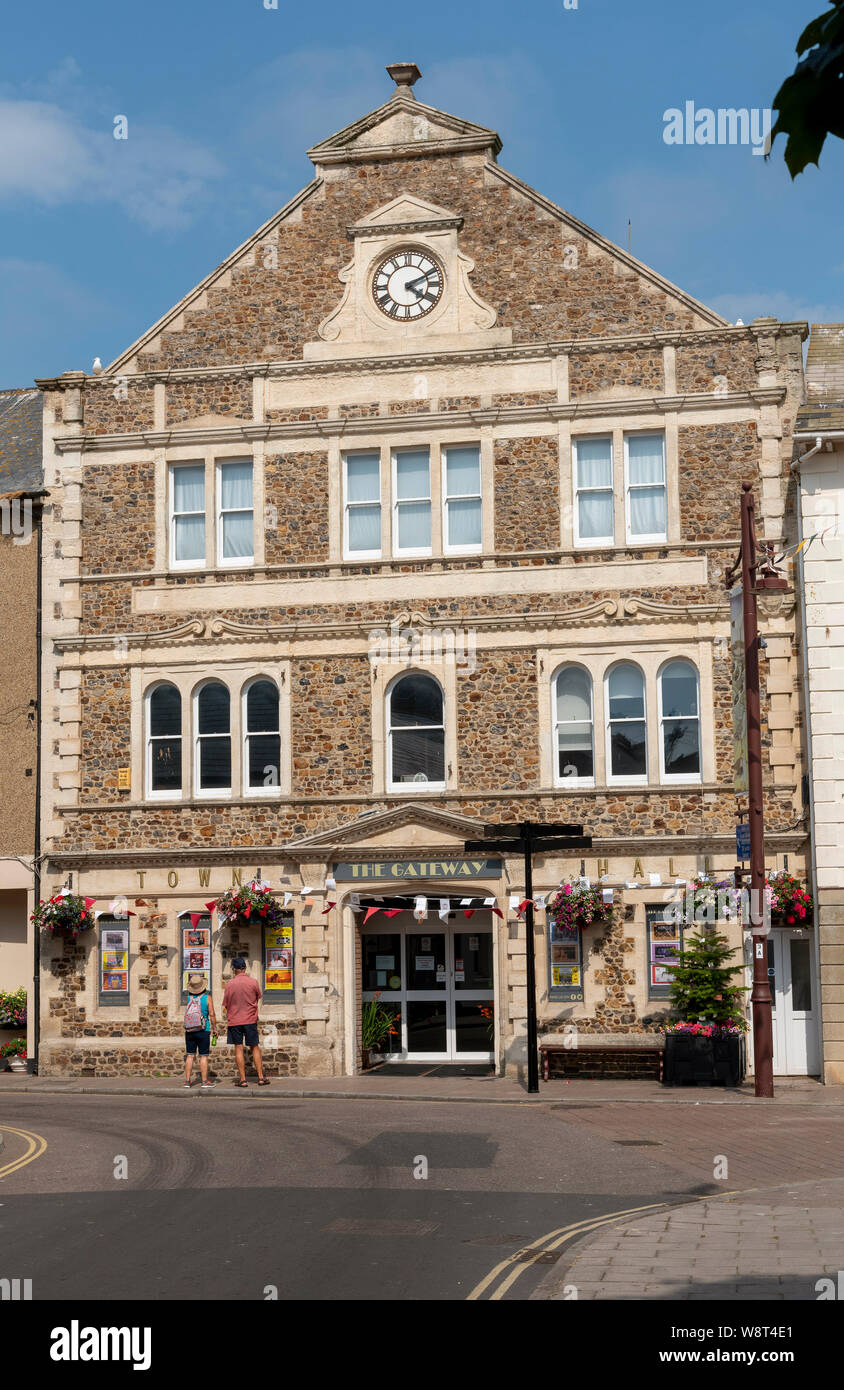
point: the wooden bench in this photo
(624, 1060)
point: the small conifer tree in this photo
(701, 988)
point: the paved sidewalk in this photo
(483, 1089)
(772, 1244)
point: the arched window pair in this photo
(625, 706)
(415, 733)
(212, 739)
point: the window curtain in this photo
(646, 480)
(236, 506)
(189, 496)
(413, 481)
(463, 496)
(594, 471)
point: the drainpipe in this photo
(36, 864)
(804, 642)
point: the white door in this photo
(441, 985)
(795, 1018)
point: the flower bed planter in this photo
(691, 1059)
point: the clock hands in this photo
(420, 280)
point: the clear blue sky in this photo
(99, 237)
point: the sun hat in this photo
(197, 984)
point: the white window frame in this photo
(238, 561)
(210, 793)
(413, 788)
(173, 514)
(592, 542)
(559, 779)
(354, 555)
(149, 794)
(638, 780)
(264, 790)
(628, 488)
(397, 549)
(674, 778)
(448, 548)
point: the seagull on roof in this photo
(97, 367)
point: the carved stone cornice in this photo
(115, 641)
(428, 224)
(648, 610)
(517, 352)
(549, 413)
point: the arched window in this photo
(261, 737)
(164, 741)
(679, 716)
(416, 733)
(573, 734)
(212, 724)
(627, 732)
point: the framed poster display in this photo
(195, 950)
(112, 961)
(664, 941)
(277, 982)
(565, 966)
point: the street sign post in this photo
(528, 838)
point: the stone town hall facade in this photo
(413, 516)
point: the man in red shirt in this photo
(240, 1007)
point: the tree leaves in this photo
(810, 103)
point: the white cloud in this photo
(48, 155)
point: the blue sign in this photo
(743, 840)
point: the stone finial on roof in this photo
(404, 75)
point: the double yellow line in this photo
(36, 1144)
(510, 1269)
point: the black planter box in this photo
(691, 1059)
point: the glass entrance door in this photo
(795, 1028)
(441, 982)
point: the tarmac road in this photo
(306, 1199)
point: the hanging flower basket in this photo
(790, 903)
(253, 905)
(710, 900)
(64, 912)
(575, 906)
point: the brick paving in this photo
(774, 1244)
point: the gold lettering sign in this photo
(637, 869)
(419, 869)
(204, 877)
(173, 879)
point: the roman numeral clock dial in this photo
(407, 285)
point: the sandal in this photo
(241, 1083)
(265, 1081)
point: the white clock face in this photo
(407, 284)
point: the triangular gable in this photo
(399, 827)
(404, 126)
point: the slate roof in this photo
(21, 441)
(824, 408)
